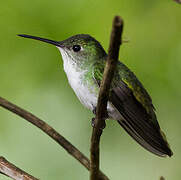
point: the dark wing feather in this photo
(137, 122)
(138, 138)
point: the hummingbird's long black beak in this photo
(56, 43)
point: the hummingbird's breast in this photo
(86, 90)
(84, 85)
(75, 75)
(86, 96)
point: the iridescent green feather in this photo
(124, 74)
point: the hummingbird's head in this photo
(82, 47)
(78, 49)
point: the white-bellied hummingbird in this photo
(129, 103)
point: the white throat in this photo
(86, 97)
(74, 76)
(68, 64)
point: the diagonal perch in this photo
(71, 149)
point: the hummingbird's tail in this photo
(146, 141)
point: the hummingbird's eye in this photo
(76, 48)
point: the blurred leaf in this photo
(32, 76)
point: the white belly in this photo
(86, 97)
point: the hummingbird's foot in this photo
(94, 110)
(104, 125)
(93, 124)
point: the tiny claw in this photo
(94, 110)
(103, 126)
(93, 124)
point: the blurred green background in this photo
(32, 76)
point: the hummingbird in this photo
(129, 103)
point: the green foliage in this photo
(32, 77)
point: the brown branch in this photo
(162, 178)
(71, 149)
(178, 1)
(101, 110)
(12, 171)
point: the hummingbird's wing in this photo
(134, 104)
(137, 122)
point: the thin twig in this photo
(12, 171)
(178, 1)
(71, 149)
(101, 110)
